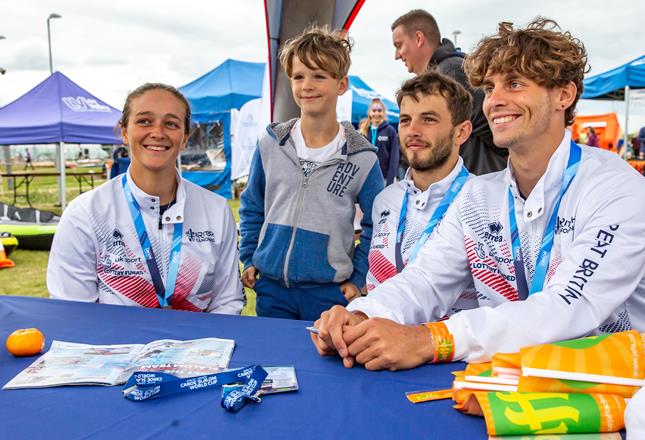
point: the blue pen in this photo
(312, 329)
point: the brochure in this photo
(69, 363)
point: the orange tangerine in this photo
(26, 342)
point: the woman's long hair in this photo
(365, 124)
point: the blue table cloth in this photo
(333, 402)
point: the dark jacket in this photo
(480, 154)
(387, 142)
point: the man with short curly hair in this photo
(550, 59)
(434, 122)
(544, 243)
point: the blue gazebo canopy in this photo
(230, 85)
(611, 85)
(58, 110)
(212, 96)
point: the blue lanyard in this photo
(143, 385)
(374, 133)
(542, 264)
(164, 294)
(437, 215)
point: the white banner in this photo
(344, 106)
(247, 127)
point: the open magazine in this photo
(69, 363)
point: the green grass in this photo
(249, 308)
(29, 276)
(235, 207)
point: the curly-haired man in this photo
(545, 243)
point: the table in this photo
(24, 179)
(333, 402)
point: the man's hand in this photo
(382, 344)
(331, 325)
(248, 277)
(350, 290)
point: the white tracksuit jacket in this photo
(385, 218)
(96, 255)
(595, 277)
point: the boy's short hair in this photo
(321, 48)
(540, 52)
(459, 101)
(419, 20)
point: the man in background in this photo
(28, 162)
(418, 43)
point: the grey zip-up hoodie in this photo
(300, 230)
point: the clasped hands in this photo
(376, 343)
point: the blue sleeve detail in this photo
(371, 188)
(270, 255)
(252, 209)
(393, 165)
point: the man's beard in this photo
(439, 154)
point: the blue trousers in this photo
(277, 301)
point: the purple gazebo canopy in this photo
(58, 110)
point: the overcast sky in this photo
(112, 47)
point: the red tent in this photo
(606, 127)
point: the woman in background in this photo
(592, 137)
(381, 134)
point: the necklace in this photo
(172, 196)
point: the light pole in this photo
(454, 37)
(60, 150)
(49, 41)
(7, 150)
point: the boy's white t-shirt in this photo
(311, 158)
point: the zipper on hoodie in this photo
(294, 222)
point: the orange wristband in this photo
(442, 341)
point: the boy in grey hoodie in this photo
(297, 211)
